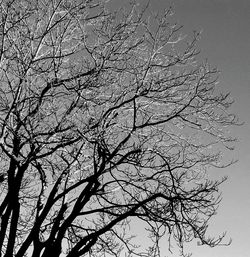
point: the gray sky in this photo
(225, 43)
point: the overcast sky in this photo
(225, 43)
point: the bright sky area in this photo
(225, 43)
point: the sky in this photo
(225, 43)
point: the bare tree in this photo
(106, 118)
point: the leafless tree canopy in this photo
(106, 118)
